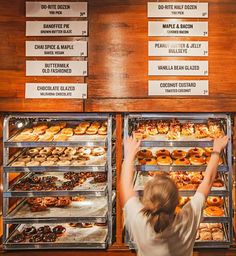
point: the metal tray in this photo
(93, 209)
(88, 188)
(74, 238)
(142, 178)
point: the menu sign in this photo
(55, 91)
(56, 68)
(177, 48)
(56, 9)
(56, 28)
(177, 28)
(56, 48)
(177, 68)
(178, 87)
(177, 10)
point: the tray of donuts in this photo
(187, 182)
(61, 132)
(214, 210)
(52, 183)
(211, 233)
(58, 157)
(59, 235)
(196, 158)
(178, 130)
(68, 209)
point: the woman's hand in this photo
(131, 147)
(220, 143)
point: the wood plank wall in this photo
(118, 61)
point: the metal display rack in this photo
(224, 170)
(97, 207)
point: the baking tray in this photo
(89, 188)
(167, 168)
(93, 209)
(142, 178)
(74, 238)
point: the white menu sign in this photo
(177, 68)
(55, 90)
(177, 10)
(177, 48)
(56, 68)
(177, 28)
(56, 48)
(56, 9)
(178, 87)
(56, 28)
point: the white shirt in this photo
(176, 240)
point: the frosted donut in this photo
(196, 152)
(178, 153)
(208, 151)
(215, 201)
(181, 161)
(144, 153)
(63, 163)
(164, 160)
(33, 163)
(214, 211)
(162, 152)
(99, 151)
(197, 160)
(219, 162)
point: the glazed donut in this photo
(63, 201)
(35, 201)
(24, 159)
(63, 163)
(47, 163)
(215, 201)
(99, 151)
(50, 201)
(208, 151)
(33, 152)
(17, 238)
(144, 153)
(58, 151)
(181, 161)
(18, 163)
(197, 160)
(196, 152)
(219, 162)
(70, 151)
(178, 153)
(164, 160)
(53, 158)
(151, 161)
(33, 163)
(28, 232)
(213, 211)
(162, 152)
(87, 225)
(84, 151)
(40, 158)
(49, 237)
(218, 183)
(59, 230)
(65, 157)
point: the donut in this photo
(181, 161)
(24, 159)
(17, 238)
(99, 151)
(213, 211)
(35, 201)
(28, 232)
(215, 225)
(219, 162)
(205, 234)
(63, 201)
(63, 163)
(53, 129)
(217, 234)
(197, 160)
(208, 151)
(49, 237)
(47, 163)
(162, 152)
(40, 158)
(178, 153)
(45, 152)
(70, 151)
(196, 152)
(100, 177)
(44, 229)
(78, 198)
(164, 160)
(53, 158)
(87, 225)
(203, 225)
(215, 201)
(38, 208)
(18, 163)
(151, 161)
(77, 163)
(65, 157)
(59, 230)
(75, 225)
(218, 183)
(58, 151)
(33, 163)
(67, 131)
(36, 238)
(33, 152)
(101, 224)
(144, 153)
(188, 187)
(50, 201)
(62, 124)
